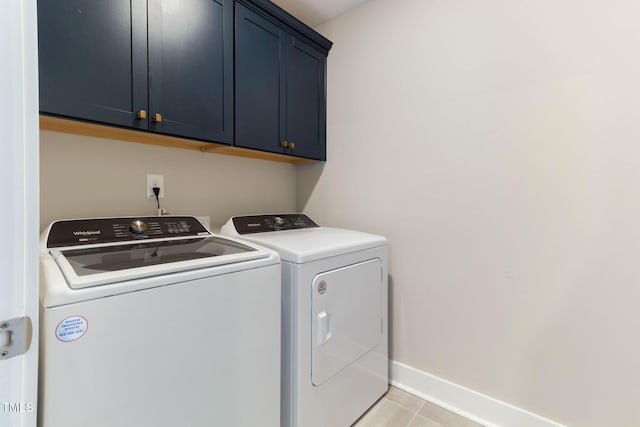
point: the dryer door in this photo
(347, 317)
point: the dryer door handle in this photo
(324, 328)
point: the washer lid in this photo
(311, 244)
(92, 265)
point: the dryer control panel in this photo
(276, 222)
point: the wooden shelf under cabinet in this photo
(76, 127)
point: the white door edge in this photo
(19, 167)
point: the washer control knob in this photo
(279, 220)
(138, 227)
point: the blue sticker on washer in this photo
(71, 328)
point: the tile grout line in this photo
(415, 414)
(411, 420)
(404, 407)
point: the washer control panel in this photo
(106, 230)
(276, 222)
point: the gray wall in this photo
(87, 177)
(495, 144)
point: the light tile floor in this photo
(398, 408)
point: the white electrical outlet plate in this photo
(155, 180)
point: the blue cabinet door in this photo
(191, 68)
(260, 82)
(306, 111)
(92, 60)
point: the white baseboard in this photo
(468, 403)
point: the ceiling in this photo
(315, 12)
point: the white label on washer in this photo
(71, 328)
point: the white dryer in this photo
(156, 322)
(334, 316)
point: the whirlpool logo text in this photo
(86, 233)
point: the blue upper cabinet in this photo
(240, 72)
(280, 69)
(159, 65)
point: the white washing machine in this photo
(156, 322)
(334, 316)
